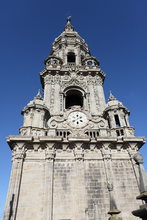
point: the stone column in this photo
(111, 119)
(49, 173)
(122, 118)
(127, 120)
(18, 154)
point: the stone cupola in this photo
(117, 116)
(36, 115)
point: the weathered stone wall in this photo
(65, 187)
(125, 187)
(96, 189)
(30, 203)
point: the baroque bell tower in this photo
(73, 159)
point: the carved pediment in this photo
(73, 82)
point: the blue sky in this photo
(116, 32)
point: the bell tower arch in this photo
(73, 97)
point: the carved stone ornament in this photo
(138, 158)
(36, 132)
(54, 121)
(96, 80)
(100, 123)
(73, 82)
(106, 153)
(18, 152)
(49, 154)
(77, 133)
(79, 154)
(24, 132)
(110, 186)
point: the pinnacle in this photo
(111, 97)
(68, 19)
(68, 26)
(38, 96)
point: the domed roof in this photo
(37, 102)
(113, 103)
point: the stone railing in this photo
(122, 131)
(92, 133)
(62, 133)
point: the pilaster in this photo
(18, 155)
(49, 176)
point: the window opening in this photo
(73, 97)
(117, 121)
(71, 57)
(89, 63)
(117, 132)
(122, 132)
(109, 123)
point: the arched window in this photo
(71, 57)
(73, 97)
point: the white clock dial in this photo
(77, 119)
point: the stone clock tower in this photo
(73, 159)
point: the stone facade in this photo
(73, 159)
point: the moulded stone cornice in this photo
(116, 106)
(78, 139)
(106, 139)
(35, 106)
(17, 139)
(50, 139)
(134, 139)
(103, 141)
(96, 71)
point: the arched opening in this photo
(71, 58)
(117, 121)
(73, 97)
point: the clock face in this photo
(77, 119)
